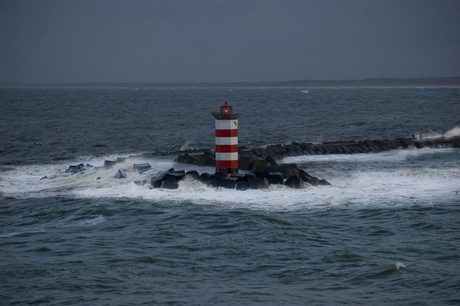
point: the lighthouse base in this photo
(227, 166)
(227, 171)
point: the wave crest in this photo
(455, 132)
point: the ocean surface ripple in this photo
(385, 232)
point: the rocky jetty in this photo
(259, 166)
(259, 159)
(291, 177)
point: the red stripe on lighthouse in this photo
(226, 148)
(227, 133)
(226, 164)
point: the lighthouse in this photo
(226, 139)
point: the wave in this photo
(400, 177)
(455, 132)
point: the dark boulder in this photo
(270, 151)
(259, 152)
(429, 143)
(259, 184)
(271, 160)
(219, 175)
(368, 143)
(174, 176)
(168, 184)
(213, 182)
(206, 159)
(205, 177)
(404, 143)
(120, 174)
(186, 159)
(303, 172)
(228, 182)
(346, 149)
(156, 181)
(324, 183)
(358, 148)
(241, 177)
(277, 149)
(76, 169)
(140, 183)
(260, 166)
(193, 174)
(396, 144)
(275, 178)
(242, 186)
(274, 169)
(310, 179)
(364, 148)
(289, 170)
(294, 182)
(250, 176)
(375, 149)
(261, 175)
(141, 167)
(245, 159)
(109, 163)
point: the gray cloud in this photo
(206, 41)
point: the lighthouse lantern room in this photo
(226, 139)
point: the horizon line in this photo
(426, 81)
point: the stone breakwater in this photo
(272, 174)
(259, 166)
(257, 159)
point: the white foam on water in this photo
(23, 230)
(455, 132)
(388, 156)
(399, 265)
(76, 220)
(360, 183)
(8, 235)
(91, 221)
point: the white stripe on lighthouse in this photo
(227, 124)
(226, 140)
(227, 156)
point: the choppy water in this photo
(385, 232)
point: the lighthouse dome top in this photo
(226, 113)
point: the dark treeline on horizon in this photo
(371, 82)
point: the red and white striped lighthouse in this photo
(226, 140)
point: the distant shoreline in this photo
(375, 82)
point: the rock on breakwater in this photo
(292, 177)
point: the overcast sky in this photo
(226, 41)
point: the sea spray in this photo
(455, 132)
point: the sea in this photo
(386, 232)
